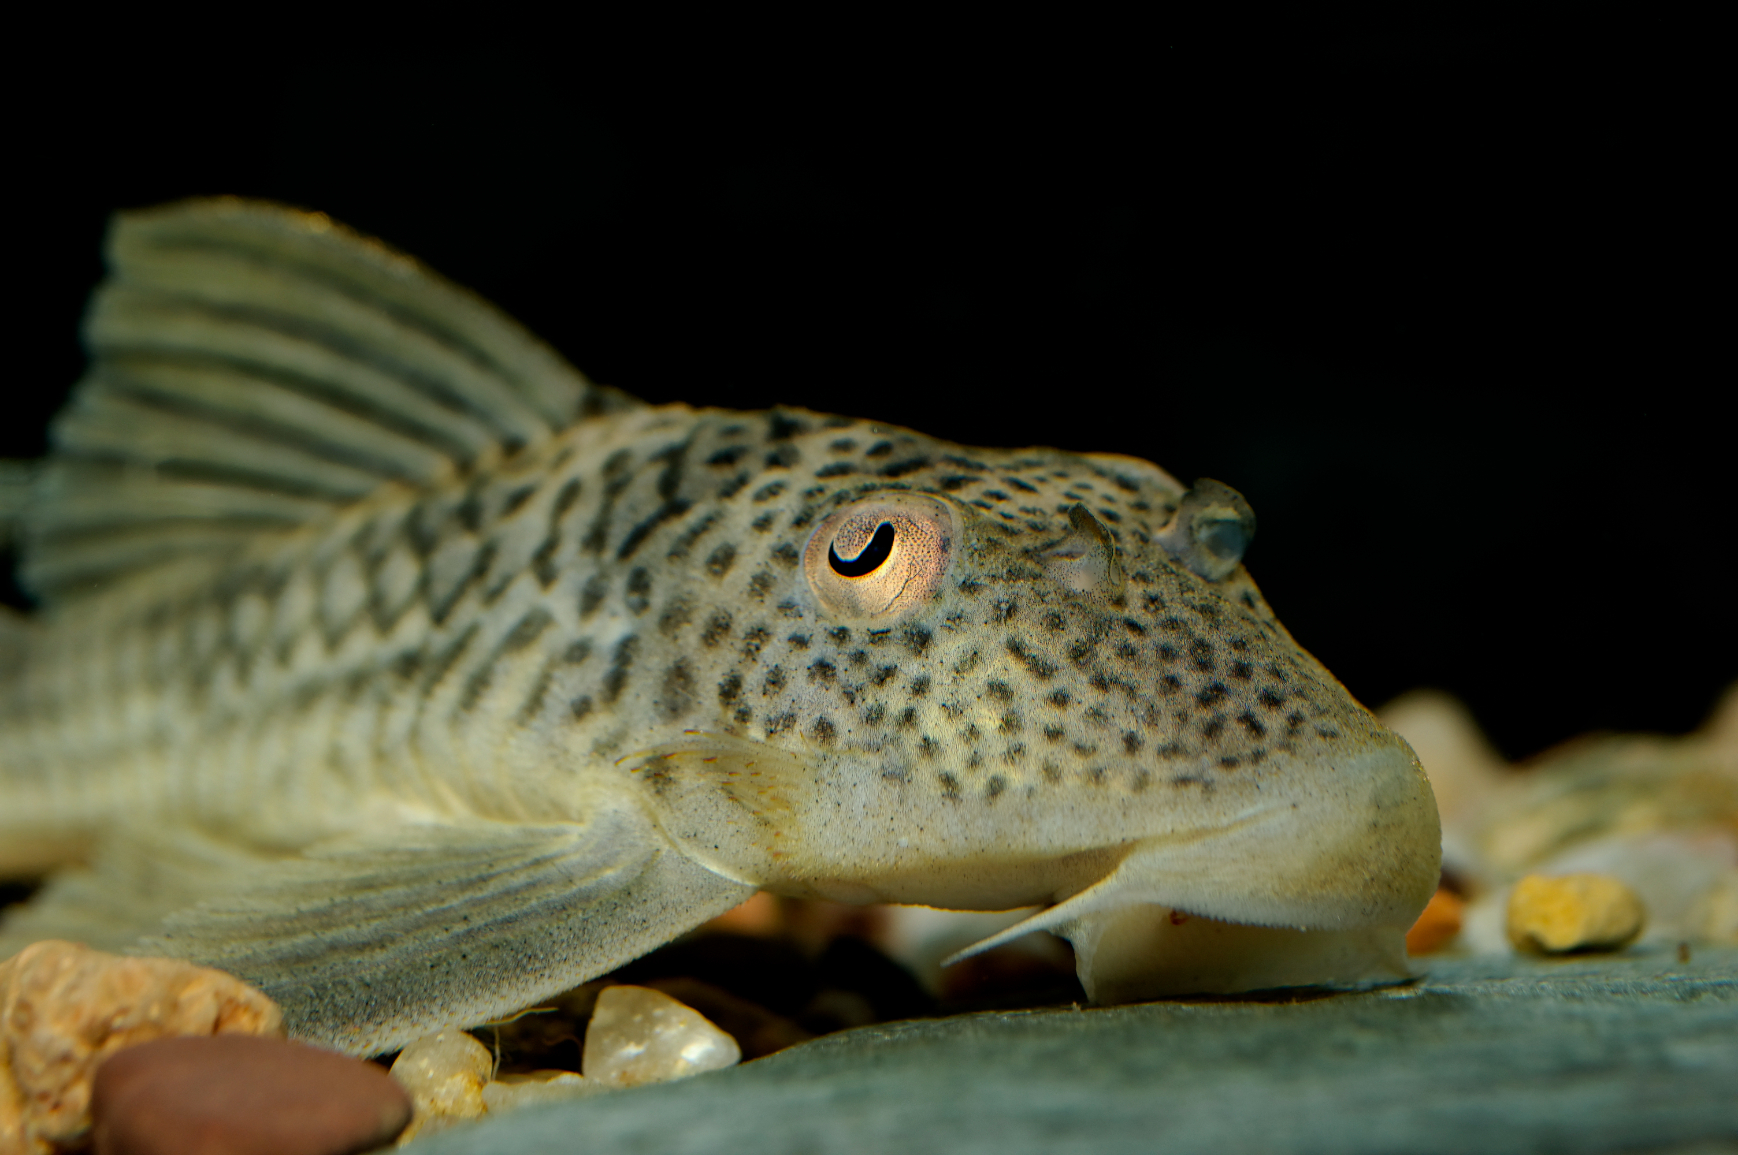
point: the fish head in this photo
(1036, 677)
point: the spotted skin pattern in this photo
(473, 650)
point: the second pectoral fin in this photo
(731, 803)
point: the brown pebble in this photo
(65, 1008)
(242, 1095)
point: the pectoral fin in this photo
(372, 942)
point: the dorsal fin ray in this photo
(256, 367)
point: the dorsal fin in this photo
(253, 367)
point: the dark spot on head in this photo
(821, 671)
(823, 731)
(874, 713)
(730, 689)
(1242, 671)
(1000, 690)
(917, 639)
(775, 681)
(1132, 743)
(950, 786)
(580, 707)
(901, 468)
(1252, 723)
(994, 787)
(1039, 667)
(800, 641)
(839, 634)
(919, 686)
(1270, 699)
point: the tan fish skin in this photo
(552, 693)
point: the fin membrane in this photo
(254, 367)
(370, 943)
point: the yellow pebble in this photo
(1574, 912)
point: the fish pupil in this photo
(869, 560)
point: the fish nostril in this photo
(878, 550)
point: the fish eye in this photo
(880, 558)
(879, 549)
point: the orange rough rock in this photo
(1438, 925)
(1573, 912)
(64, 1008)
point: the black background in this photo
(1453, 317)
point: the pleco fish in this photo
(394, 667)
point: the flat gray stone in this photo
(1632, 1052)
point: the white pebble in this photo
(445, 1075)
(515, 1091)
(639, 1036)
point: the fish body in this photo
(393, 666)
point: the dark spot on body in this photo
(639, 590)
(621, 663)
(718, 564)
(676, 696)
(717, 629)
